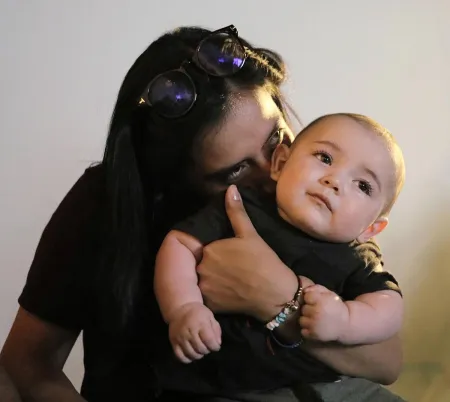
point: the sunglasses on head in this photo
(173, 93)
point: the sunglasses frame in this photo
(232, 31)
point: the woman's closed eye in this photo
(234, 175)
(231, 175)
(244, 170)
(240, 171)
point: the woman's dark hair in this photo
(147, 157)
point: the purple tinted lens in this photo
(172, 94)
(221, 55)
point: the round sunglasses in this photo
(173, 93)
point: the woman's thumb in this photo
(237, 215)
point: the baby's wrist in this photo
(180, 310)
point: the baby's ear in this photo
(375, 228)
(279, 158)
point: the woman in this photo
(7, 390)
(196, 112)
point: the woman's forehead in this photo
(252, 118)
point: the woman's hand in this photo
(243, 274)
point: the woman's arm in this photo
(244, 275)
(54, 300)
(381, 362)
(34, 355)
(8, 390)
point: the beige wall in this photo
(62, 63)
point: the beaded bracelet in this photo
(285, 345)
(288, 309)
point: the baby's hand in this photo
(194, 332)
(324, 314)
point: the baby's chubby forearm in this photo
(372, 318)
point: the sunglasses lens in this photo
(172, 94)
(221, 55)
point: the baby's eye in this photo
(324, 157)
(365, 187)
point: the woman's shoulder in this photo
(89, 189)
(94, 178)
(64, 260)
(94, 170)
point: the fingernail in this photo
(236, 195)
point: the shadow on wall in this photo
(427, 301)
(427, 319)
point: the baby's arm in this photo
(175, 275)
(193, 331)
(373, 318)
(370, 318)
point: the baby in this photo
(334, 188)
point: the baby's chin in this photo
(330, 233)
(319, 229)
(307, 224)
(334, 235)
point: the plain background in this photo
(62, 63)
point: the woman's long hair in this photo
(146, 158)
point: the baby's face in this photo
(335, 182)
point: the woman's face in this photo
(239, 150)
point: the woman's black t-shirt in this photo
(62, 288)
(136, 363)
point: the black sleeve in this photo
(54, 290)
(369, 276)
(209, 224)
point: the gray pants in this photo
(346, 390)
(355, 390)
